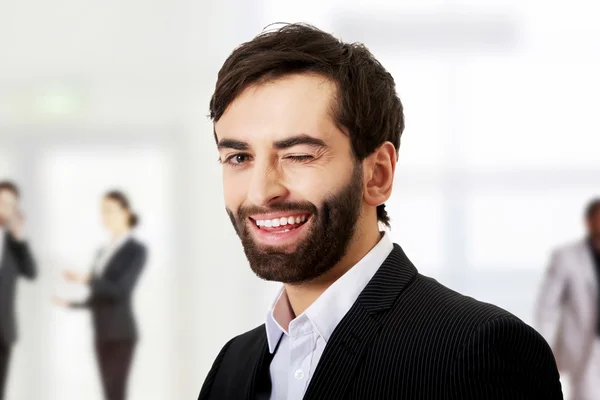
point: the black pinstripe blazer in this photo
(406, 337)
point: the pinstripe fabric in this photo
(407, 337)
(210, 378)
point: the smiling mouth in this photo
(281, 224)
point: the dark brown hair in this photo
(367, 105)
(123, 201)
(592, 208)
(11, 187)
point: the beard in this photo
(332, 227)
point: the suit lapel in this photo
(361, 325)
(259, 386)
(112, 261)
(7, 261)
(3, 255)
(587, 262)
(585, 259)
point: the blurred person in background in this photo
(116, 270)
(15, 260)
(307, 129)
(567, 308)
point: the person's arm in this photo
(552, 295)
(105, 289)
(505, 359)
(205, 392)
(25, 263)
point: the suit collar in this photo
(348, 342)
(582, 253)
(360, 327)
(391, 279)
(259, 386)
(332, 305)
(123, 247)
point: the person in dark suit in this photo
(116, 270)
(308, 128)
(15, 260)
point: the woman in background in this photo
(115, 272)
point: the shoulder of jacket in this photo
(569, 248)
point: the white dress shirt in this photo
(302, 345)
(108, 252)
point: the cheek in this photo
(316, 182)
(235, 188)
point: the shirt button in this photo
(299, 374)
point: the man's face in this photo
(8, 206)
(292, 186)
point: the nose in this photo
(266, 185)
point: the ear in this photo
(378, 170)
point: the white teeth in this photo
(283, 221)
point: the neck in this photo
(301, 296)
(119, 233)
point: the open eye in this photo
(237, 159)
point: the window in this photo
(500, 151)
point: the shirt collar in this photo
(329, 309)
(280, 310)
(120, 240)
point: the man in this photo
(307, 129)
(15, 260)
(567, 308)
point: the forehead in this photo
(276, 109)
(7, 196)
(108, 202)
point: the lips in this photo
(281, 229)
(283, 223)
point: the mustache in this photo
(245, 211)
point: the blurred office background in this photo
(500, 154)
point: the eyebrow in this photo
(298, 140)
(232, 144)
(279, 144)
